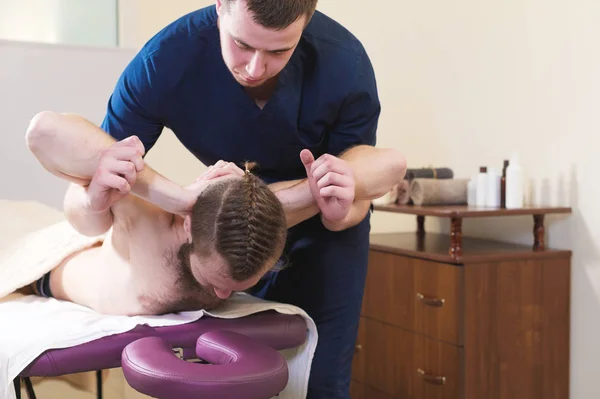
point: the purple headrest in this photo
(238, 367)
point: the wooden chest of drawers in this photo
(490, 323)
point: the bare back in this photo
(136, 269)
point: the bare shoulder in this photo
(144, 236)
(132, 208)
(129, 206)
(138, 235)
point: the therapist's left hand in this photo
(221, 170)
(331, 181)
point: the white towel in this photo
(41, 239)
(38, 252)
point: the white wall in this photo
(139, 20)
(36, 77)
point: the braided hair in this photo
(243, 221)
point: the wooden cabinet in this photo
(447, 317)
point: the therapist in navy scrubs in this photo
(264, 81)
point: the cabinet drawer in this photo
(439, 369)
(403, 364)
(415, 294)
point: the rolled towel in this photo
(439, 192)
(403, 192)
(429, 173)
(387, 199)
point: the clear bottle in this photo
(514, 184)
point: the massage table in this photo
(208, 358)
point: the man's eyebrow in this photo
(281, 50)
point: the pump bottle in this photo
(514, 184)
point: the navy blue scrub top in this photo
(326, 99)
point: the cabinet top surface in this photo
(474, 250)
(468, 211)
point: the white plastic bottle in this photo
(480, 187)
(472, 191)
(514, 184)
(492, 189)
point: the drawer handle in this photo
(431, 379)
(431, 301)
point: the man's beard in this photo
(185, 278)
(189, 294)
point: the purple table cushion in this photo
(240, 367)
(270, 328)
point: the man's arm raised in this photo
(365, 171)
(344, 186)
(296, 199)
(376, 170)
(71, 147)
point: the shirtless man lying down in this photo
(153, 261)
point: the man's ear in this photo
(187, 227)
(219, 7)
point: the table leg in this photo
(420, 225)
(455, 237)
(538, 233)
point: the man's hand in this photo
(220, 171)
(117, 171)
(331, 181)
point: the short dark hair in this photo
(243, 221)
(278, 14)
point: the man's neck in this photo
(263, 93)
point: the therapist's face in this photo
(253, 53)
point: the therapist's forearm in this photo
(376, 170)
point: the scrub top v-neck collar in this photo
(287, 80)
